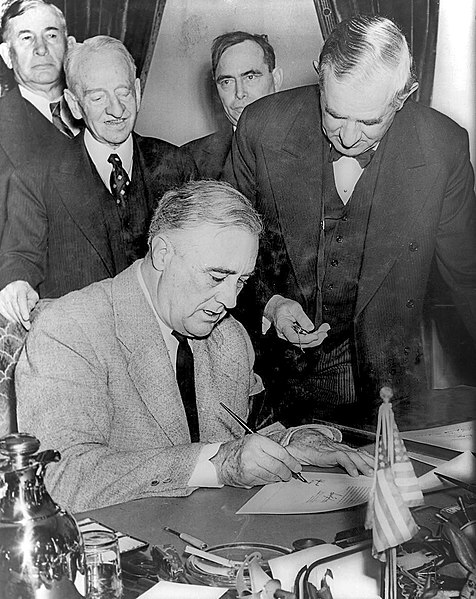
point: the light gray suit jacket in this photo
(95, 382)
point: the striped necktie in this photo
(58, 122)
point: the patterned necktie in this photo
(363, 159)
(58, 122)
(119, 180)
(186, 384)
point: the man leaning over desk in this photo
(100, 374)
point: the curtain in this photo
(418, 20)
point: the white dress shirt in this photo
(100, 152)
(43, 105)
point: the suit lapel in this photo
(295, 170)
(400, 194)
(149, 365)
(82, 192)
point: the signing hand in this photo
(17, 300)
(293, 324)
(312, 447)
(253, 460)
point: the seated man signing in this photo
(102, 377)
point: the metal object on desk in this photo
(41, 551)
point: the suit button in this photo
(330, 286)
(413, 246)
(334, 262)
(154, 483)
(406, 350)
(345, 218)
(339, 239)
(410, 303)
(325, 308)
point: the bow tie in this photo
(363, 159)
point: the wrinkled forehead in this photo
(359, 97)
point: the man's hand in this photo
(253, 460)
(312, 447)
(17, 300)
(293, 324)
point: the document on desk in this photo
(459, 437)
(325, 492)
(175, 590)
(462, 468)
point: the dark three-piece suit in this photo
(210, 152)
(63, 231)
(419, 204)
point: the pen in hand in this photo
(242, 423)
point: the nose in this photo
(240, 89)
(41, 48)
(115, 107)
(349, 134)
(227, 293)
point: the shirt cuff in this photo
(204, 473)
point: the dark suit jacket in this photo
(210, 152)
(423, 206)
(24, 133)
(55, 237)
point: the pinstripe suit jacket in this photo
(423, 209)
(95, 382)
(24, 133)
(56, 236)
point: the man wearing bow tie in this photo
(80, 213)
(361, 188)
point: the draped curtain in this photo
(418, 20)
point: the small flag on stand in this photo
(395, 490)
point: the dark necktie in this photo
(186, 384)
(119, 180)
(363, 159)
(58, 122)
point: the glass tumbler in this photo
(103, 565)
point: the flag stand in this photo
(394, 491)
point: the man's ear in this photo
(315, 64)
(161, 250)
(73, 104)
(5, 54)
(70, 41)
(277, 78)
(138, 93)
(412, 90)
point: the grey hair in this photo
(363, 44)
(206, 201)
(77, 52)
(19, 7)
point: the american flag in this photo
(396, 488)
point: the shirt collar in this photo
(99, 153)
(39, 102)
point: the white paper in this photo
(286, 567)
(174, 590)
(360, 568)
(459, 437)
(426, 459)
(326, 492)
(463, 467)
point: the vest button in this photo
(330, 286)
(345, 218)
(334, 262)
(410, 303)
(406, 350)
(413, 246)
(339, 239)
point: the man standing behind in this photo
(244, 69)
(80, 214)
(362, 189)
(33, 113)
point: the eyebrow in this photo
(51, 28)
(250, 72)
(227, 271)
(365, 121)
